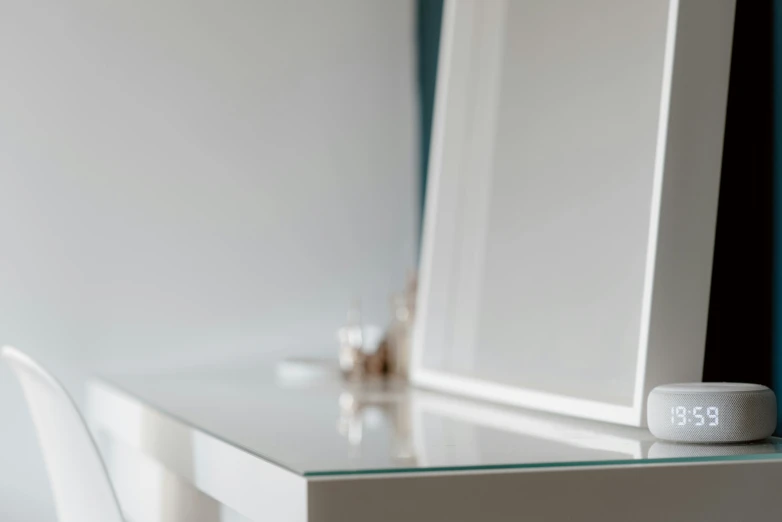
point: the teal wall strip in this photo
(777, 212)
(430, 13)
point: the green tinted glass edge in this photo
(554, 465)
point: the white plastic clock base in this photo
(712, 412)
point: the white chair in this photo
(80, 485)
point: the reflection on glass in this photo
(149, 492)
(247, 423)
(451, 431)
(375, 404)
(669, 450)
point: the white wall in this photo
(188, 182)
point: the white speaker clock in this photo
(721, 412)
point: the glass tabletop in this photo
(303, 417)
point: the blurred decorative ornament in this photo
(363, 352)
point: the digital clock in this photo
(712, 412)
(699, 415)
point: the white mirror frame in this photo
(685, 189)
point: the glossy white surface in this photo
(150, 492)
(81, 488)
(264, 444)
(252, 486)
(330, 427)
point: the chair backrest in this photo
(80, 485)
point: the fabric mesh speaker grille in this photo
(743, 415)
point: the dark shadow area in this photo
(739, 336)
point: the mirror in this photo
(572, 201)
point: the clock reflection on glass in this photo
(698, 416)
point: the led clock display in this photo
(698, 416)
(711, 412)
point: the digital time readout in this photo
(698, 416)
(690, 412)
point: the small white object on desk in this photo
(720, 412)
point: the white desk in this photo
(246, 444)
